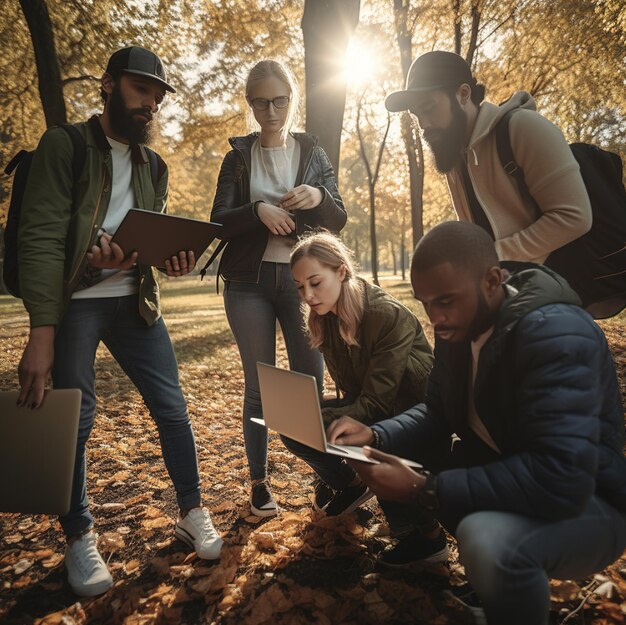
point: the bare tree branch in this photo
(67, 81)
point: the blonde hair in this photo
(331, 252)
(265, 69)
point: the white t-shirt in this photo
(116, 283)
(273, 173)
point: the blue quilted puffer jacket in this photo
(547, 392)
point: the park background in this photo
(347, 55)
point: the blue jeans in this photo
(252, 310)
(509, 558)
(146, 355)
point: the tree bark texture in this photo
(372, 179)
(48, 72)
(412, 140)
(327, 26)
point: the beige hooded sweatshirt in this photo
(551, 173)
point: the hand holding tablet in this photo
(161, 240)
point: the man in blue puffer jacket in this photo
(536, 486)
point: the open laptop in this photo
(157, 236)
(37, 452)
(291, 407)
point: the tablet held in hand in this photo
(158, 236)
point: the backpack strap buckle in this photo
(510, 168)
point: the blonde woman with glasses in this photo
(273, 185)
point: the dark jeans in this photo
(252, 310)
(146, 355)
(509, 558)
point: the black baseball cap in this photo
(137, 60)
(433, 70)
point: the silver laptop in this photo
(291, 407)
(37, 452)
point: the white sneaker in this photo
(87, 572)
(197, 530)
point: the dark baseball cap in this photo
(433, 70)
(137, 60)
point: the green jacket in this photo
(388, 372)
(53, 243)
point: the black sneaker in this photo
(465, 596)
(323, 495)
(415, 550)
(348, 499)
(262, 502)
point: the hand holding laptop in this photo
(391, 478)
(349, 431)
(291, 407)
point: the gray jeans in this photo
(252, 310)
(509, 558)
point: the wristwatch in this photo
(427, 497)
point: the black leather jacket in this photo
(246, 234)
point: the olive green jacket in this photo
(388, 372)
(53, 242)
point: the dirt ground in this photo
(297, 568)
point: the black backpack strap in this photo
(157, 166)
(14, 162)
(220, 246)
(507, 158)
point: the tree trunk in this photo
(327, 27)
(403, 254)
(456, 11)
(49, 74)
(373, 242)
(412, 141)
(372, 179)
(473, 42)
(393, 258)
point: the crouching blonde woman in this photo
(377, 355)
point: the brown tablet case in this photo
(158, 236)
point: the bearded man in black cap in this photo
(461, 130)
(80, 288)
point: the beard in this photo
(124, 123)
(446, 144)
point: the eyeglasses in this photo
(261, 104)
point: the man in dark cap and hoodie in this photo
(460, 128)
(80, 288)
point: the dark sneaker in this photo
(465, 596)
(348, 499)
(415, 550)
(262, 502)
(323, 495)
